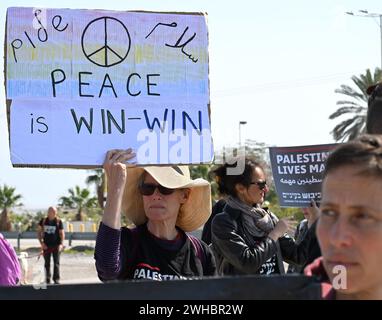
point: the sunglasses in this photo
(147, 189)
(260, 184)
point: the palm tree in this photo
(356, 108)
(80, 200)
(204, 171)
(199, 171)
(99, 180)
(8, 200)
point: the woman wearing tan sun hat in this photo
(163, 203)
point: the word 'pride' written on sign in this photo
(297, 172)
(81, 82)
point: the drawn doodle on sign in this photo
(172, 24)
(181, 46)
(106, 56)
(177, 45)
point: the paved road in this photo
(74, 268)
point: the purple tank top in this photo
(9, 264)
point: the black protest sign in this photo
(297, 173)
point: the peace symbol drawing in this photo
(105, 41)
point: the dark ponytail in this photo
(227, 182)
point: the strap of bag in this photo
(200, 253)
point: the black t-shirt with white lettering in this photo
(51, 231)
(144, 256)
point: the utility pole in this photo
(367, 14)
(240, 124)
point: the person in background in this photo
(303, 230)
(299, 234)
(247, 238)
(349, 229)
(51, 236)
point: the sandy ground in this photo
(74, 268)
(77, 267)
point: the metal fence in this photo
(70, 236)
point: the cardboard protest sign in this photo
(81, 82)
(297, 173)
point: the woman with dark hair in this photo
(349, 229)
(249, 239)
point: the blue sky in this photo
(273, 64)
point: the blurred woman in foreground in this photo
(349, 229)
